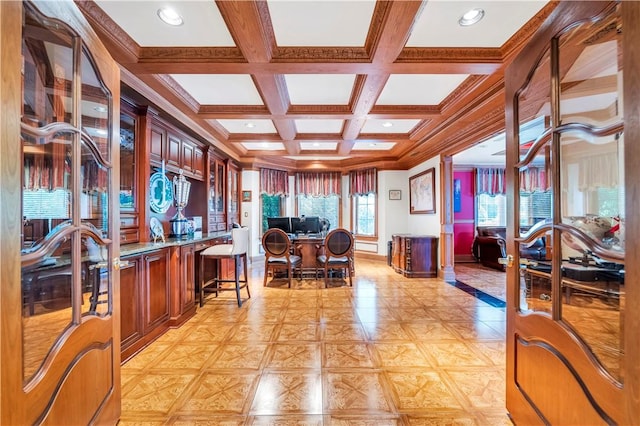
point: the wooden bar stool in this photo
(237, 251)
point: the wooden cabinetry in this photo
(129, 215)
(183, 289)
(233, 194)
(415, 256)
(217, 220)
(176, 149)
(144, 306)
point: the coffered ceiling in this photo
(305, 84)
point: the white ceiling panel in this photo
(318, 146)
(322, 89)
(315, 158)
(437, 26)
(388, 126)
(321, 23)
(203, 25)
(263, 146)
(373, 146)
(419, 89)
(247, 126)
(319, 126)
(220, 89)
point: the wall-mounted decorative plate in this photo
(157, 232)
(161, 193)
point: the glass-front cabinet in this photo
(128, 195)
(233, 185)
(216, 196)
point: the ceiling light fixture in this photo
(250, 125)
(387, 124)
(471, 17)
(170, 16)
(316, 144)
(100, 109)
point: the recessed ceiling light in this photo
(170, 16)
(100, 109)
(250, 125)
(372, 144)
(316, 144)
(101, 132)
(471, 17)
(387, 124)
(264, 144)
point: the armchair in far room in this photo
(490, 245)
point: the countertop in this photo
(137, 248)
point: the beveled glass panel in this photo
(593, 298)
(47, 299)
(534, 107)
(95, 107)
(590, 64)
(94, 199)
(96, 292)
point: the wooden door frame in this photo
(516, 74)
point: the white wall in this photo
(426, 224)
(250, 211)
(393, 215)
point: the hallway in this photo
(389, 351)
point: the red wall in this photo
(464, 220)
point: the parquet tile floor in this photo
(389, 351)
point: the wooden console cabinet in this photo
(415, 256)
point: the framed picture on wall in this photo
(457, 194)
(395, 194)
(246, 196)
(422, 199)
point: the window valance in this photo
(318, 184)
(274, 182)
(363, 182)
(490, 181)
(534, 179)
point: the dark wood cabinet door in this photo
(130, 306)
(198, 162)
(158, 144)
(156, 288)
(187, 156)
(187, 279)
(173, 151)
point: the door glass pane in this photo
(47, 296)
(592, 184)
(47, 139)
(535, 196)
(95, 275)
(94, 107)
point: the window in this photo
(365, 214)
(271, 207)
(325, 207)
(492, 210)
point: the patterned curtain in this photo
(318, 184)
(533, 179)
(491, 181)
(274, 182)
(363, 182)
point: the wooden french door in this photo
(573, 334)
(60, 343)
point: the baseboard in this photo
(370, 256)
(464, 258)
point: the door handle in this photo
(508, 261)
(117, 263)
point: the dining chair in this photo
(278, 256)
(338, 247)
(237, 251)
